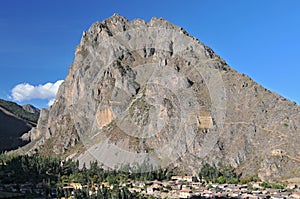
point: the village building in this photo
(295, 195)
(155, 187)
(134, 189)
(188, 178)
(139, 184)
(291, 186)
(257, 185)
(76, 185)
(176, 177)
(185, 193)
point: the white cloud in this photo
(51, 101)
(25, 91)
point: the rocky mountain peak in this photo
(150, 93)
(31, 109)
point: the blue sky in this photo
(255, 37)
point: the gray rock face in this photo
(149, 92)
(31, 109)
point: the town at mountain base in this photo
(148, 91)
(32, 177)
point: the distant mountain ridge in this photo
(31, 109)
(148, 91)
(25, 112)
(15, 121)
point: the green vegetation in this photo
(53, 175)
(226, 174)
(18, 111)
(22, 168)
(247, 180)
(271, 185)
(223, 174)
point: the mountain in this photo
(31, 109)
(14, 123)
(151, 94)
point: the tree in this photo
(209, 173)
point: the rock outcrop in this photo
(150, 92)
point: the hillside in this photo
(14, 123)
(31, 109)
(150, 93)
(24, 112)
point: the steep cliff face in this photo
(150, 92)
